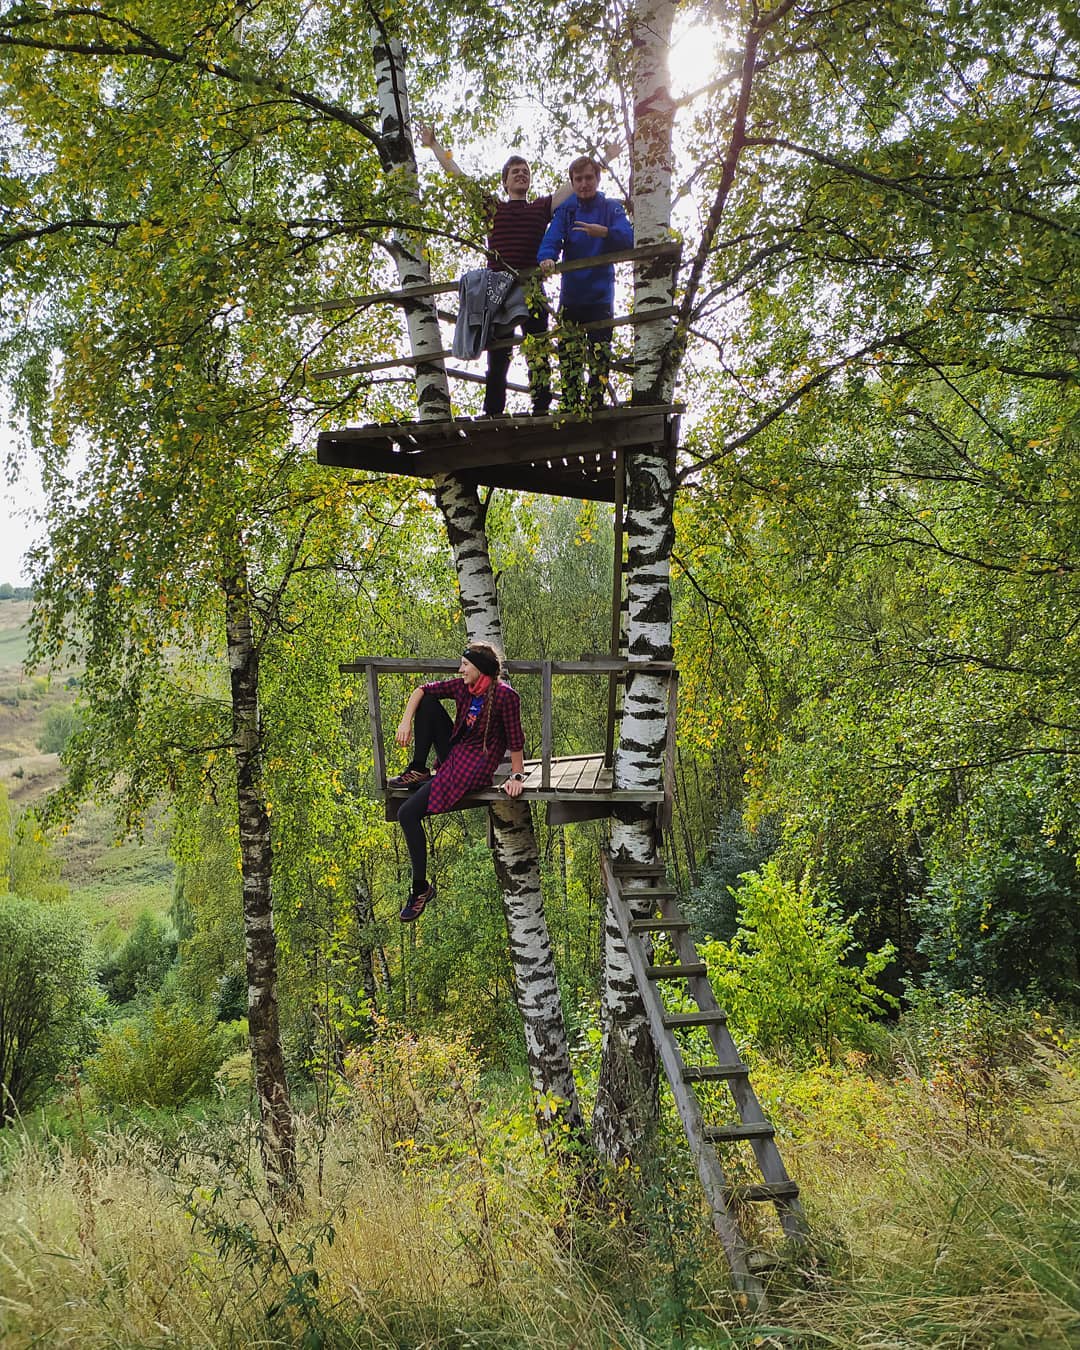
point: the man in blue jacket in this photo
(586, 225)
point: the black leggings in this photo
(431, 727)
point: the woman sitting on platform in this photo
(468, 751)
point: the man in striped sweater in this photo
(515, 229)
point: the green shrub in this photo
(142, 961)
(1002, 907)
(47, 998)
(59, 725)
(786, 978)
(163, 1057)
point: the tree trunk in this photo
(626, 1099)
(367, 939)
(516, 853)
(277, 1140)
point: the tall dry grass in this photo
(432, 1221)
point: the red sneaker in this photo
(416, 904)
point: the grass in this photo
(431, 1220)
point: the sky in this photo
(17, 501)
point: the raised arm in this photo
(612, 150)
(445, 158)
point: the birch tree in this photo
(516, 856)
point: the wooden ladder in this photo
(642, 885)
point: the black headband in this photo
(484, 662)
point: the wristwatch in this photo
(518, 777)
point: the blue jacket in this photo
(592, 285)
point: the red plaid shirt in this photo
(469, 766)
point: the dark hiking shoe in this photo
(416, 904)
(411, 778)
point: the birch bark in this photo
(277, 1139)
(626, 1100)
(516, 854)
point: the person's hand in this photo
(547, 267)
(612, 150)
(403, 735)
(593, 230)
(427, 135)
(513, 787)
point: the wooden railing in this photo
(654, 314)
(373, 666)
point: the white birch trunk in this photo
(627, 1090)
(516, 854)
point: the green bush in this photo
(141, 962)
(163, 1057)
(59, 725)
(1001, 911)
(786, 978)
(48, 999)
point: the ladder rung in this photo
(650, 893)
(659, 925)
(777, 1190)
(714, 1017)
(638, 869)
(700, 1073)
(676, 972)
(721, 1134)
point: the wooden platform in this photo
(581, 789)
(574, 787)
(562, 455)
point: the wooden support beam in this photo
(545, 724)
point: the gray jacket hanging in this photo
(490, 304)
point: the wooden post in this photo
(545, 724)
(669, 751)
(616, 601)
(375, 713)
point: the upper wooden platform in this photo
(565, 455)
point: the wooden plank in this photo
(708, 1073)
(726, 1134)
(787, 1191)
(375, 716)
(455, 452)
(545, 723)
(496, 426)
(671, 250)
(688, 970)
(438, 665)
(588, 780)
(477, 378)
(531, 478)
(669, 751)
(565, 773)
(695, 1019)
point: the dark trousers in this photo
(432, 726)
(584, 346)
(498, 364)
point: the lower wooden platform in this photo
(581, 788)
